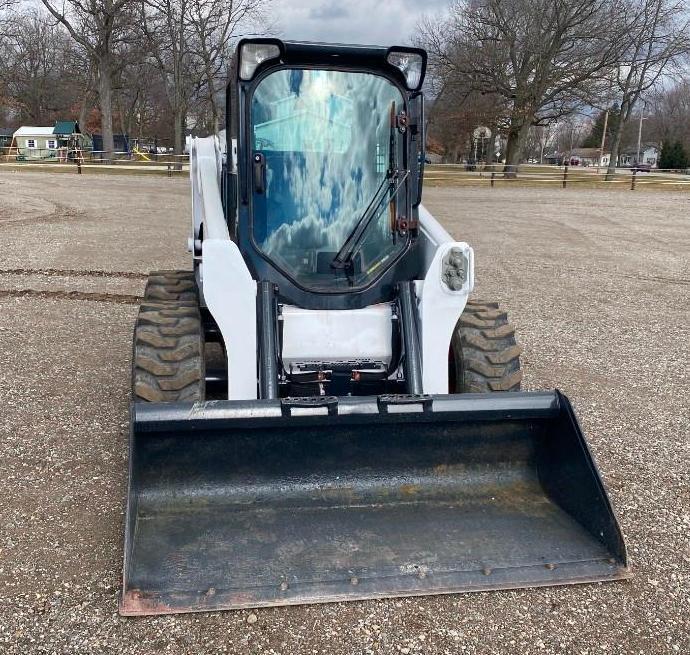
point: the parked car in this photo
(641, 168)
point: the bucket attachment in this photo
(236, 504)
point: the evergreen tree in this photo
(666, 155)
(673, 156)
(593, 139)
(681, 156)
(675, 153)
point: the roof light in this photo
(410, 64)
(253, 55)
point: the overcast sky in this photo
(370, 22)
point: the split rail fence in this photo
(555, 176)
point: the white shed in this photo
(36, 142)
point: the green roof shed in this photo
(66, 128)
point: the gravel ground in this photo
(597, 283)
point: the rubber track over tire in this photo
(486, 355)
(168, 361)
(171, 285)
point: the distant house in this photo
(35, 142)
(582, 157)
(49, 142)
(649, 154)
(121, 143)
(5, 138)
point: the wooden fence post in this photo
(632, 183)
(565, 176)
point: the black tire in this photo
(171, 286)
(168, 361)
(484, 355)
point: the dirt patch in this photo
(56, 272)
(71, 295)
(58, 214)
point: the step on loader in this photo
(320, 411)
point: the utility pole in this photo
(639, 134)
(603, 139)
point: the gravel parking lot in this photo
(598, 284)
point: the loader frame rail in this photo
(468, 406)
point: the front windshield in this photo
(325, 138)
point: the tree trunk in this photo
(105, 96)
(85, 109)
(216, 117)
(615, 146)
(215, 113)
(178, 120)
(517, 135)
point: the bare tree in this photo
(215, 24)
(669, 114)
(453, 116)
(88, 96)
(45, 74)
(538, 140)
(569, 133)
(38, 56)
(102, 28)
(5, 6)
(543, 57)
(166, 26)
(6, 101)
(656, 36)
(189, 41)
(139, 91)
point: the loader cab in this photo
(323, 174)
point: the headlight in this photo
(411, 64)
(254, 54)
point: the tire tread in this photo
(487, 356)
(168, 361)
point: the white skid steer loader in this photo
(319, 411)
